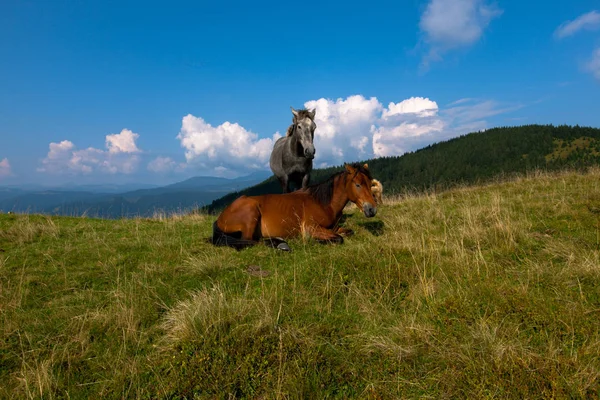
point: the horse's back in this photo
(282, 215)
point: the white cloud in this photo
(461, 101)
(64, 157)
(5, 169)
(478, 111)
(420, 106)
(593, 65)
(452, 24)
(351, 129)
(398, 139)
(407, 133)
(343, 127)
(589, 21)
(226, 147)
(123, 142)
(162, 164)
(379, 131)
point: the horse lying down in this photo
(314, 211)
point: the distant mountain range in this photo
(116, 201)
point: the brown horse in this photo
(314, 211)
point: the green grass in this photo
(485, 292)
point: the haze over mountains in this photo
(116, 201)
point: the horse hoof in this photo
(283, 246)
(278, 243)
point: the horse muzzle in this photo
(369, 210)
(309, 153)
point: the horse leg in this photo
(241, 217)
(305, 181)
(251, 229)
(277, 243)
(284, 183)
(323, 235)
(344, 231)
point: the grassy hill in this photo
(469, 159)
(480, 292)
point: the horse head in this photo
(304, 130)
(358, 188)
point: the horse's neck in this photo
(293, 140)
(340, 197)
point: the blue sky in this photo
(98, 92)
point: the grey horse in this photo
(292, 155)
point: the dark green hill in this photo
(468, 159)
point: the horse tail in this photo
(220, 238)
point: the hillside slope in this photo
(481, 292)
(469, 159)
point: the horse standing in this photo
(292, 155)
(314, 211)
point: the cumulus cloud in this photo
(351, 129)
(453, 24)
(119, 157)
(415, 105)
(405, 126)
(343, 127)
(593, 65)
(589, 21)
(123, 142)
(162, 164)
(223, 148)
(5, 169)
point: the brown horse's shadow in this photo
(344, 218)
(375, 227)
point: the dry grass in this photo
(478, 292)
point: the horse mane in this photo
(323, 192)
(290, 129)
(303, 113)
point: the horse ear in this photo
(294, 112)
(349, 168)
(312, 113)
(366, 166)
